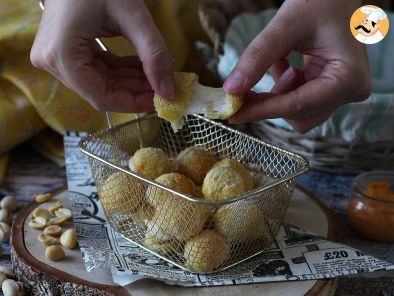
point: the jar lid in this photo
(376, 185)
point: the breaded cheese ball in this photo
(150, 162)
(175, 181)
(121, 193)
(239, 168)
(158, 242)
(180, 219)
(195, 162)
(145, 213)
(222, 183)
(206, 252)
(192, 97)
(240, 225)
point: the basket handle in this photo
(107, 114)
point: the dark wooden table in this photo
(30, 173)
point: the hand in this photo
(335, 65)
(65, 46)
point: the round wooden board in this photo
(69, 277)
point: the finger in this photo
(123, 101)
(259, 55)
(132, 85)
(290, 79)
(89, 78)
(306, 124)
(252, 96)
(150, 46)
(113, 61)
(313, 66)
(301, 102)
(278, 68)
(126, 73)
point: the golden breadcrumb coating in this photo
(150, 162)
(206, 252)
(172, 110)
(144, 214)
(191, 97)
(175, 181)
(121, 194)
(222, 183)
(195, 162)
(154, 241)
(180, 219)
(240, 169)
(240, 224)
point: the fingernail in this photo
(234, 82)
(287, 75)
(167, 90)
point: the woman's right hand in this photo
(65, 46)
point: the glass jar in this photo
(371, 208)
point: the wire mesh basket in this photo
(188, 231)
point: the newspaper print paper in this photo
(296, 255)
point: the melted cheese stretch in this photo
(191, 98)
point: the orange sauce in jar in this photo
(371, 209)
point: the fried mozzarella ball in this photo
(144, 215)
(195, 162)
(240, 225)
(175, 181)
(150, 162)
(158, 242)
(192, 97)
(222, 183)
(206, 252)
(239, 168)
(121, 194)
(179, 218)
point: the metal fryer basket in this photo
(184, 230)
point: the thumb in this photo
(269, 46)
(137, 25)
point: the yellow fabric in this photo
(31, 99)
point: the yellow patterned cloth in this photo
(31, 99)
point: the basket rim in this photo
(305, 163)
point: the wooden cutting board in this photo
(69, 277)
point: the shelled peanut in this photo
(7, 283)
(50, 219)
(9, 286)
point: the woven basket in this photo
(324, 153)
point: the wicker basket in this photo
(324, 153)
(192, 233)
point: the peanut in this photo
(5, 216)
(47, 239)
(6, 271)
(55, 207)
(5, 231)
(69, 238)
(38, 223)
(2, 278)
(9, 202)
(55, 253)
(12, 288)
(42, 197)
(63, 212)
(58, 220)
(53, 230)
(40, 212)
